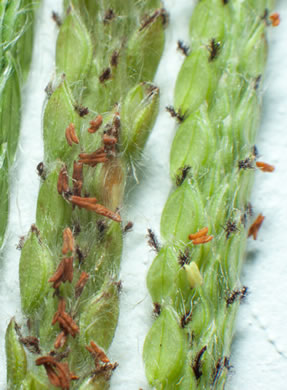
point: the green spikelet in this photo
(96, 123)
(16, 26)
(194, 280)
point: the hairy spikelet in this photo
(96, 122)
(194, 279)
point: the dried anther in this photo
(81, 110)
(57, 19)
(115, 58)
(175, 114)
(197, 364)
(161, 12)
(81, 284)
(63, 273)
(68, 241)
(105, 75)
(247, 163)
(128, 227)
(71, 135)
(213, 48)
(66, 322)
(109, 15)
(153, 241)
(230, 228)
(31, 343)
(156, 309)
(97, 352)
(183, 48)
(185, 319)
(275, 19)
(264, 167)
(95, 124)
(77, 178)
(184, 257)
(41, 170)
(253, 230)
(63, 181)
(236, 294)
(92, 205)
(58, 373)
(182, 175)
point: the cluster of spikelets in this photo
(107, 55)
(96, 121)
(194, 279)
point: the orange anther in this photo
(63, 182)
(253, 230)
(275, 19)
(202, 240)
(202, 232)
(264, 166)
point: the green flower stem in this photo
(102, 60)
(197, 287)
(16, 26)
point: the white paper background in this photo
(260, 344)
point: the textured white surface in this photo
(259, 355)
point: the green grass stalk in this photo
(16, 33)
(106, 57)
(196, 287)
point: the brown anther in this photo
(63, 273)
(71, 135)
(66, 322)
(63, 182)
(90, 204)
(128, 227)
(275, 19)
(68, 241)
(92, 159)
(202, 232)
(202, 240)
(58, 373)
(77, 178)
(95, 124)
(81, 284)
(264, 166)
(107, 140)
(97, 352)
(253, 230)
(60, 340)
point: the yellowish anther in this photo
(193, 275)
